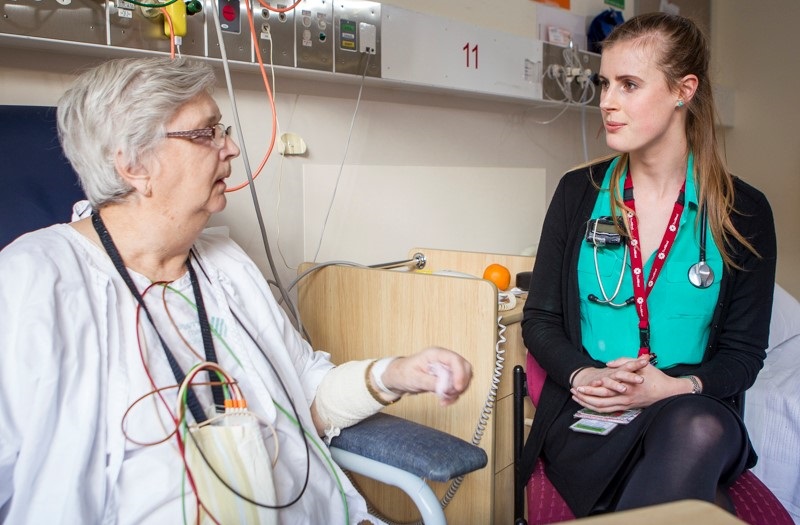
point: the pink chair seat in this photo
(754, 502)
(545, 504)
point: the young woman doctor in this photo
(652, 289)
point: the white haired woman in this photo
(104, 323)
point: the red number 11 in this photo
(474, 50)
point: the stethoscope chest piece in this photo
(701, 275)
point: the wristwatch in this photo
(696, 388)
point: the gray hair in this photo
(123, 106)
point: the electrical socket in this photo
(367, 38)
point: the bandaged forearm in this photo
(345, 396)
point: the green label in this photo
(620, 4)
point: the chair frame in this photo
(405, 454)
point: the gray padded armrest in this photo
(418, 449)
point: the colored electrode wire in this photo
(231, 389)
(188, 475)
(237, 402)
(304, 434)
(232, 392)
(143, 398)
(214, 331)
(181, 396)
(139, 343)
(233, 408)
(158, 391)
(296, 419)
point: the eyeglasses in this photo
(217, 133)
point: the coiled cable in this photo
(480, 428)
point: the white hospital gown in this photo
(70, 367)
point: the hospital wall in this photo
(754, 45)
(437, 132)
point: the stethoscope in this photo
(700, 273)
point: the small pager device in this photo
(603, 232)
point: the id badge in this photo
(593, 426)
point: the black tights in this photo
(685, 452)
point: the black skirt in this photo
(589, 471)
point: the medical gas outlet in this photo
(175, 13)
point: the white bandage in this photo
(377, 375)
(344, 397)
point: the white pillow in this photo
(785, 318)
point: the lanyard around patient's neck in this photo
(205, 328)
(641, 289)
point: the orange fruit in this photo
(499, 275)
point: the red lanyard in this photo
(640, 290)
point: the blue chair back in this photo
(39, 186)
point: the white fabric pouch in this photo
(234, 448)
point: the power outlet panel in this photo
(304, 37)
(352, 37)
(553, 55)
(314, 35)
(275, 34)
(351, 19)
(79, 21)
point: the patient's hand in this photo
(433, 369)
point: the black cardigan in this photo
(551, 326)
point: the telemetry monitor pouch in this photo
(231, 469)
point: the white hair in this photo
(123, 106)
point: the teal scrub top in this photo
(680, 313)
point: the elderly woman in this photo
(106, 322)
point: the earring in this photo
(679, 104)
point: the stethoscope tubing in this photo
(700, 273)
